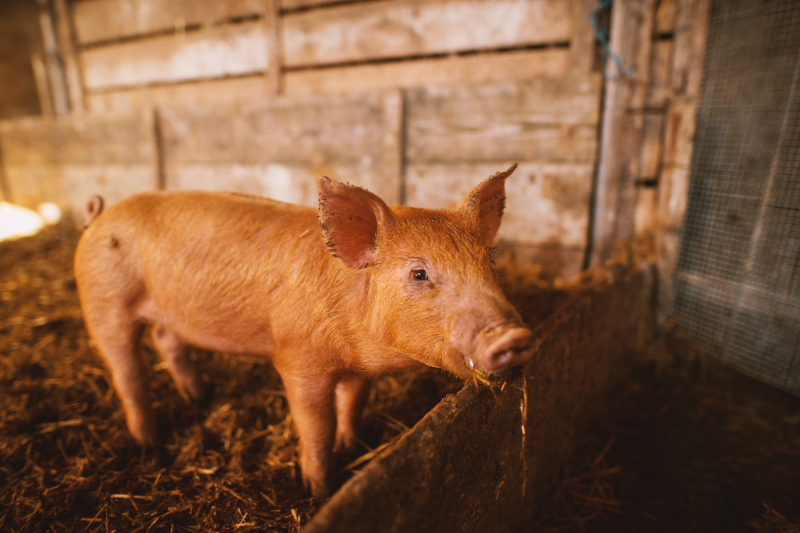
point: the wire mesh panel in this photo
(737, 286)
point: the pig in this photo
(333, 297)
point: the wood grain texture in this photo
(104, 20)
(308, 131)
(582, 40)
(539, 120)
(82, 140)
(292, 183)
(547, 204)
(65, 160)
(469, 70)
(401, 28)
(205, 93)
(66, 45)
(618, 168)
(276, 147)
(70, 185)
(42, 86)
(220, 51)
(471, 446)
(660, 90)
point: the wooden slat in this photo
(547, 204)
(42, 86)
(660, 88)
(305, 4)
(221, 92)
(65, 45)
(70, 185)
(104, 20)
(539, 120)
(293, 183)
(471, 70)
(400, 28)
(221, 51)
(84, 140)
(582, 40)
(307, 131)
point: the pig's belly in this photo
(239, 336)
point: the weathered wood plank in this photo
(293, 183)
(104, 20)
(538, 120)
(83, 140)
(70, 185)
(272, 25)
(71, 70)
(470, 70)
(660, 89)
(615, 194)
(220, 51)
(42, 86)
(502, 447)
(400, 28)
(307, 131)
(213, 93)
(547, 204)
(582, 39)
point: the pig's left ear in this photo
(485, 204)
(350, 218)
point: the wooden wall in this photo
(417, 100)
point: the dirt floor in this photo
(686, 444)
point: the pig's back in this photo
(208, 265)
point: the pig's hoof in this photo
(203, 394)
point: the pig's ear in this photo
(485, 204)
(350, 218)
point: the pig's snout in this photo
(513, 347)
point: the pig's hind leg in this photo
(119, 341)
(183, 370)
(352, 393)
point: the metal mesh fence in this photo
(737, 285)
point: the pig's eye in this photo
(419, 274)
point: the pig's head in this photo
(433, 295)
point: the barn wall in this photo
(416, 100)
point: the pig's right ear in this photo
(350, 218)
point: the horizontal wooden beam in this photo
(230, 50)
(469, 69)
(547, 204)
(402, 28)
(539, 120)
(108, 20)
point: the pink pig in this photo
(385, 289)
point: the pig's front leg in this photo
(311, 402)
(351, 396)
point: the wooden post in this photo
(582, 39)
(272, 21)
(392, 186)
(691, 32)
(621, 130)
(55, 72)
(42, 86)
(66, 40)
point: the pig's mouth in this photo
(480, 373)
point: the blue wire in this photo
(602, 38)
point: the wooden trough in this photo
(483, 459)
